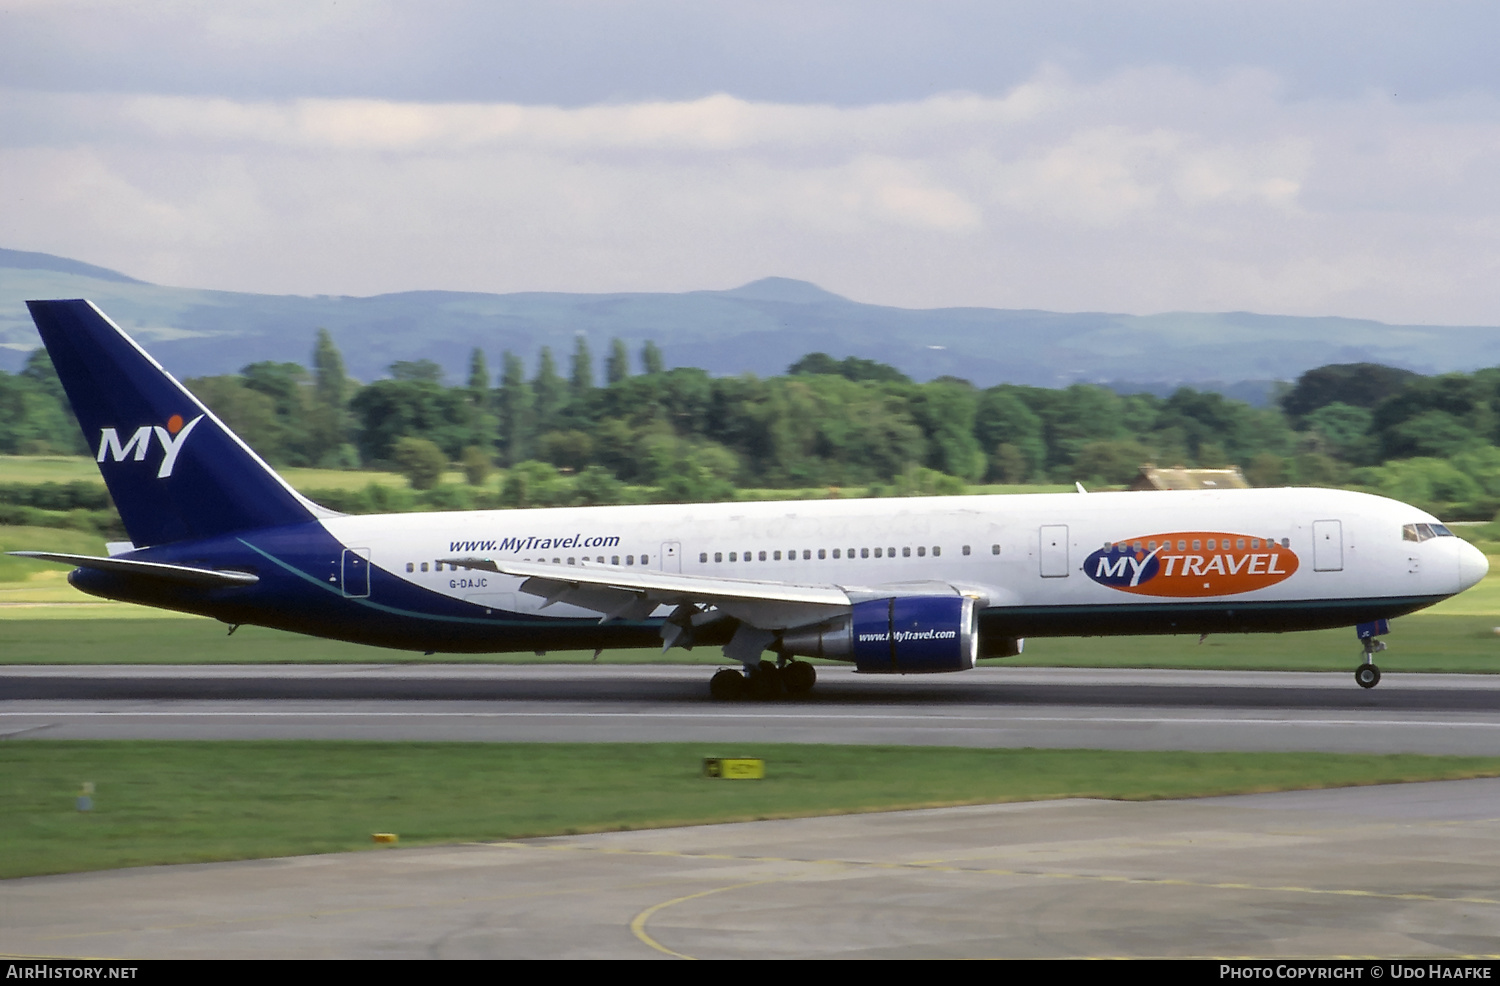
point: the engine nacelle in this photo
(898, 635)
(993, 646)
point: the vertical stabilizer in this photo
(175, 471)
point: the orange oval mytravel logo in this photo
(1191, 563)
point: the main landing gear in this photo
(1367, 675)
(765, 681)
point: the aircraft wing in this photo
(634, 593)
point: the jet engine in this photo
(896, 635)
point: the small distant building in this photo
(1152, 477)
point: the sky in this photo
(1308, 158)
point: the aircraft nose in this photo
(1472, 566)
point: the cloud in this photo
(1147, 190)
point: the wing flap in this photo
(634, 593)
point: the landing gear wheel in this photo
(765, 682)
(798, 678)
(1367, 675)
(727, 685)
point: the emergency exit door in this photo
(356, 572)
(1328, 546)
(1054, 551)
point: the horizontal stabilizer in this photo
(148, 569)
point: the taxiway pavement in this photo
(1392, 871)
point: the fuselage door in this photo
(356, 572)
(1054, 554)
(671, 556)
(1328, 546)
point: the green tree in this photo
(514, 407)
(481, 415)
(417, 371)
(618, 367)
(548, 395)
(1003, 421)
(581, 377)
(328, 421)
(651, 358)
(946, 412)
(420, 461)
(477, 465)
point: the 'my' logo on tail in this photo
(171, 438)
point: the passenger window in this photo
(864, 552)
(966, 549)
(890, 552)
(630, 559)
(424, 566)
(718, 556)
(762, 556)
(410, 567)
(615, 559)
(905, 552)
(645, 559)
(1197, 544)
(877, 552)
(734, 556)
(835, 552)
(822, 553)
(702, 557)
(806, 554)
(777, 556)
(936, 550)
(994, 549)
(921, 551)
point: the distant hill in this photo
(759, 328)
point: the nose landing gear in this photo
(1367, 675)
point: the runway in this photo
(1396, 871)
(989, 707)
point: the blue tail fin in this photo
(175, 471)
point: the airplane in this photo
(892, 586)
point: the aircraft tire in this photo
(727, 685)
(765, 682)
(1367, 675)
(798, 678)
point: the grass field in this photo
(1465, 644)
(164, 802)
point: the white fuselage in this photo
(1021, 550)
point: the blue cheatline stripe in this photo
(417, 614)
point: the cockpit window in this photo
(1424, 532)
